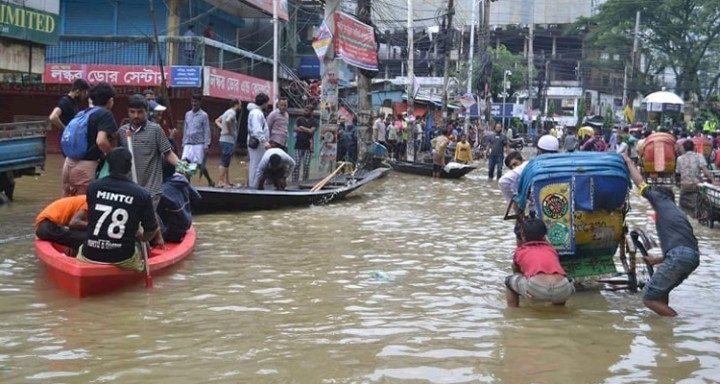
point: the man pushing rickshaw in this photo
(582, 200)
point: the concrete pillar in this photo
(173, 23)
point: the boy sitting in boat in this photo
(538, 275)
(178, 197)
(117, 208)
(64, 222)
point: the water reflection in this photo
(402, 283)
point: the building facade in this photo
(26, 28)
(218, 49)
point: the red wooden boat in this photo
(82, 279)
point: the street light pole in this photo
(276, 36)
(504, 87)
(470, 64)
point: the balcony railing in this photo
(142, 50)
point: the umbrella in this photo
(663, 97)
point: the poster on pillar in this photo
(328, 149)
(355, 42)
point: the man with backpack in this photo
(67, 106)
(87, 139)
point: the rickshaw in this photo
(657, 159)
(708, 209)
(583, 198)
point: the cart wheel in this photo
(642, 243)
(703, 210)
(7, 184)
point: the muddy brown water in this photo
(402, 283)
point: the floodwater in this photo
(403, 283)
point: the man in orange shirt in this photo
(64, 222)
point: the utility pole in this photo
(485, 44)
(530, 63)
(448, 39)
(411, 78)
(276, 36)
(470, 63)
(635, 46)
(632, 61)
(329, 97)
(411, 62)
(364, 106)
(547, 85)
(173, 28)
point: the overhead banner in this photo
(355, 42)
(231, 85)
(121, 75)
(267, 6)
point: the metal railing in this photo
(142, 50)
(24, 129)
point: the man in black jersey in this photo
(116, 209)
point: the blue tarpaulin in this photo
(607, 191)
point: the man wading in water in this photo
(677, 242)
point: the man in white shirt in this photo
(509, 181)
(258, 138)
(275, 166)
(379, 131)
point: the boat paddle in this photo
(324, 181)
(143, 245)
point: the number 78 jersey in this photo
(116, 208)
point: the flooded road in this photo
(402, 283)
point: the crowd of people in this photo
(126, 185)
(122, 185)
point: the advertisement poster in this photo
(355, 42)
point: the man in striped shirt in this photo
(150, 148)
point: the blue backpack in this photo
(74, 141)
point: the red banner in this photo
(355, 42)
(121, 75)
(231, 85)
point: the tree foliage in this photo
(499, 61)
(680, 35)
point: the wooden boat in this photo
(426, 169)
(83, 279)
(246, 199)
